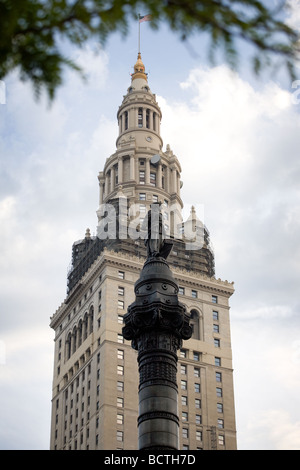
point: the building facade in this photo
(95, 381)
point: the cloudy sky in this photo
(238, 140)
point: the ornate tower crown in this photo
(139, 69)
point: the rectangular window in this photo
(121, 291)
(120, 418)
(140, 117)
(120, 402)
(183, 385)
(216, 328)
(120, 436)
(220, 423)
(120, 339)
(142, 196)
(196, 356)
(121, 304)
(217, 361)
(142, 177)
(197, 403)
(153, 179)
(185, 433)
(120, 386)
(181, 290)
(214, 299)
(120, 354)
(184, 416)
(184, 401)
(121, 275)
(220, 407)
(196, 372)
(182, 353)
(215, 315)
(221, 440)
(143, 209)
(199, 435)
(217, 342)
(197, 388)
(194, 294)
(219, 392)
(155, 198)
(198, 419)
(120, 319)
(218, 377)
(183, 369)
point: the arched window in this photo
(126, 120)
(195, 324)
(85, 327)
(80, 333)
(91, 320)
(154, 121)
(68, 346)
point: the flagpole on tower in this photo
(139, 45)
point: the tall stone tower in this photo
(95, 381)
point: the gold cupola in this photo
(139, 69)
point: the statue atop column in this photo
(154, 234)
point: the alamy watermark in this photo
(131, 221)
(2, 92)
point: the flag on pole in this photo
(144, 18)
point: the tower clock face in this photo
(149, 138)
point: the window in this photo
(121, 290)
(142, 196)
(120, 386)
(196, 356)
(142, 177)
(120, 339)
(217, 361)
(121, 275)
(120, 436)
(220, 423)
(182, 353)
(185, 433)
(120, 418)
(197, 388)
(120, 402)
(181, 290)
(199, 435)
(197, 403)
(126, 120)
(153, 179)
(219, 392)
(121, 304)
(155, 198)
(183, 385)
(196, 372)
(216, 328)
(221, 440)
(220, 407)
(120, 354)
(142, 209)
(198, 419)
(148, 118)
(140, 117)
(183, 369)
(120, 319)
(184, 401)
(184, 416)
(215, 315)
(194, 294)
(216, 342)
(214, 299)
(218, 377)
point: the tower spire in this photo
(139, 69)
